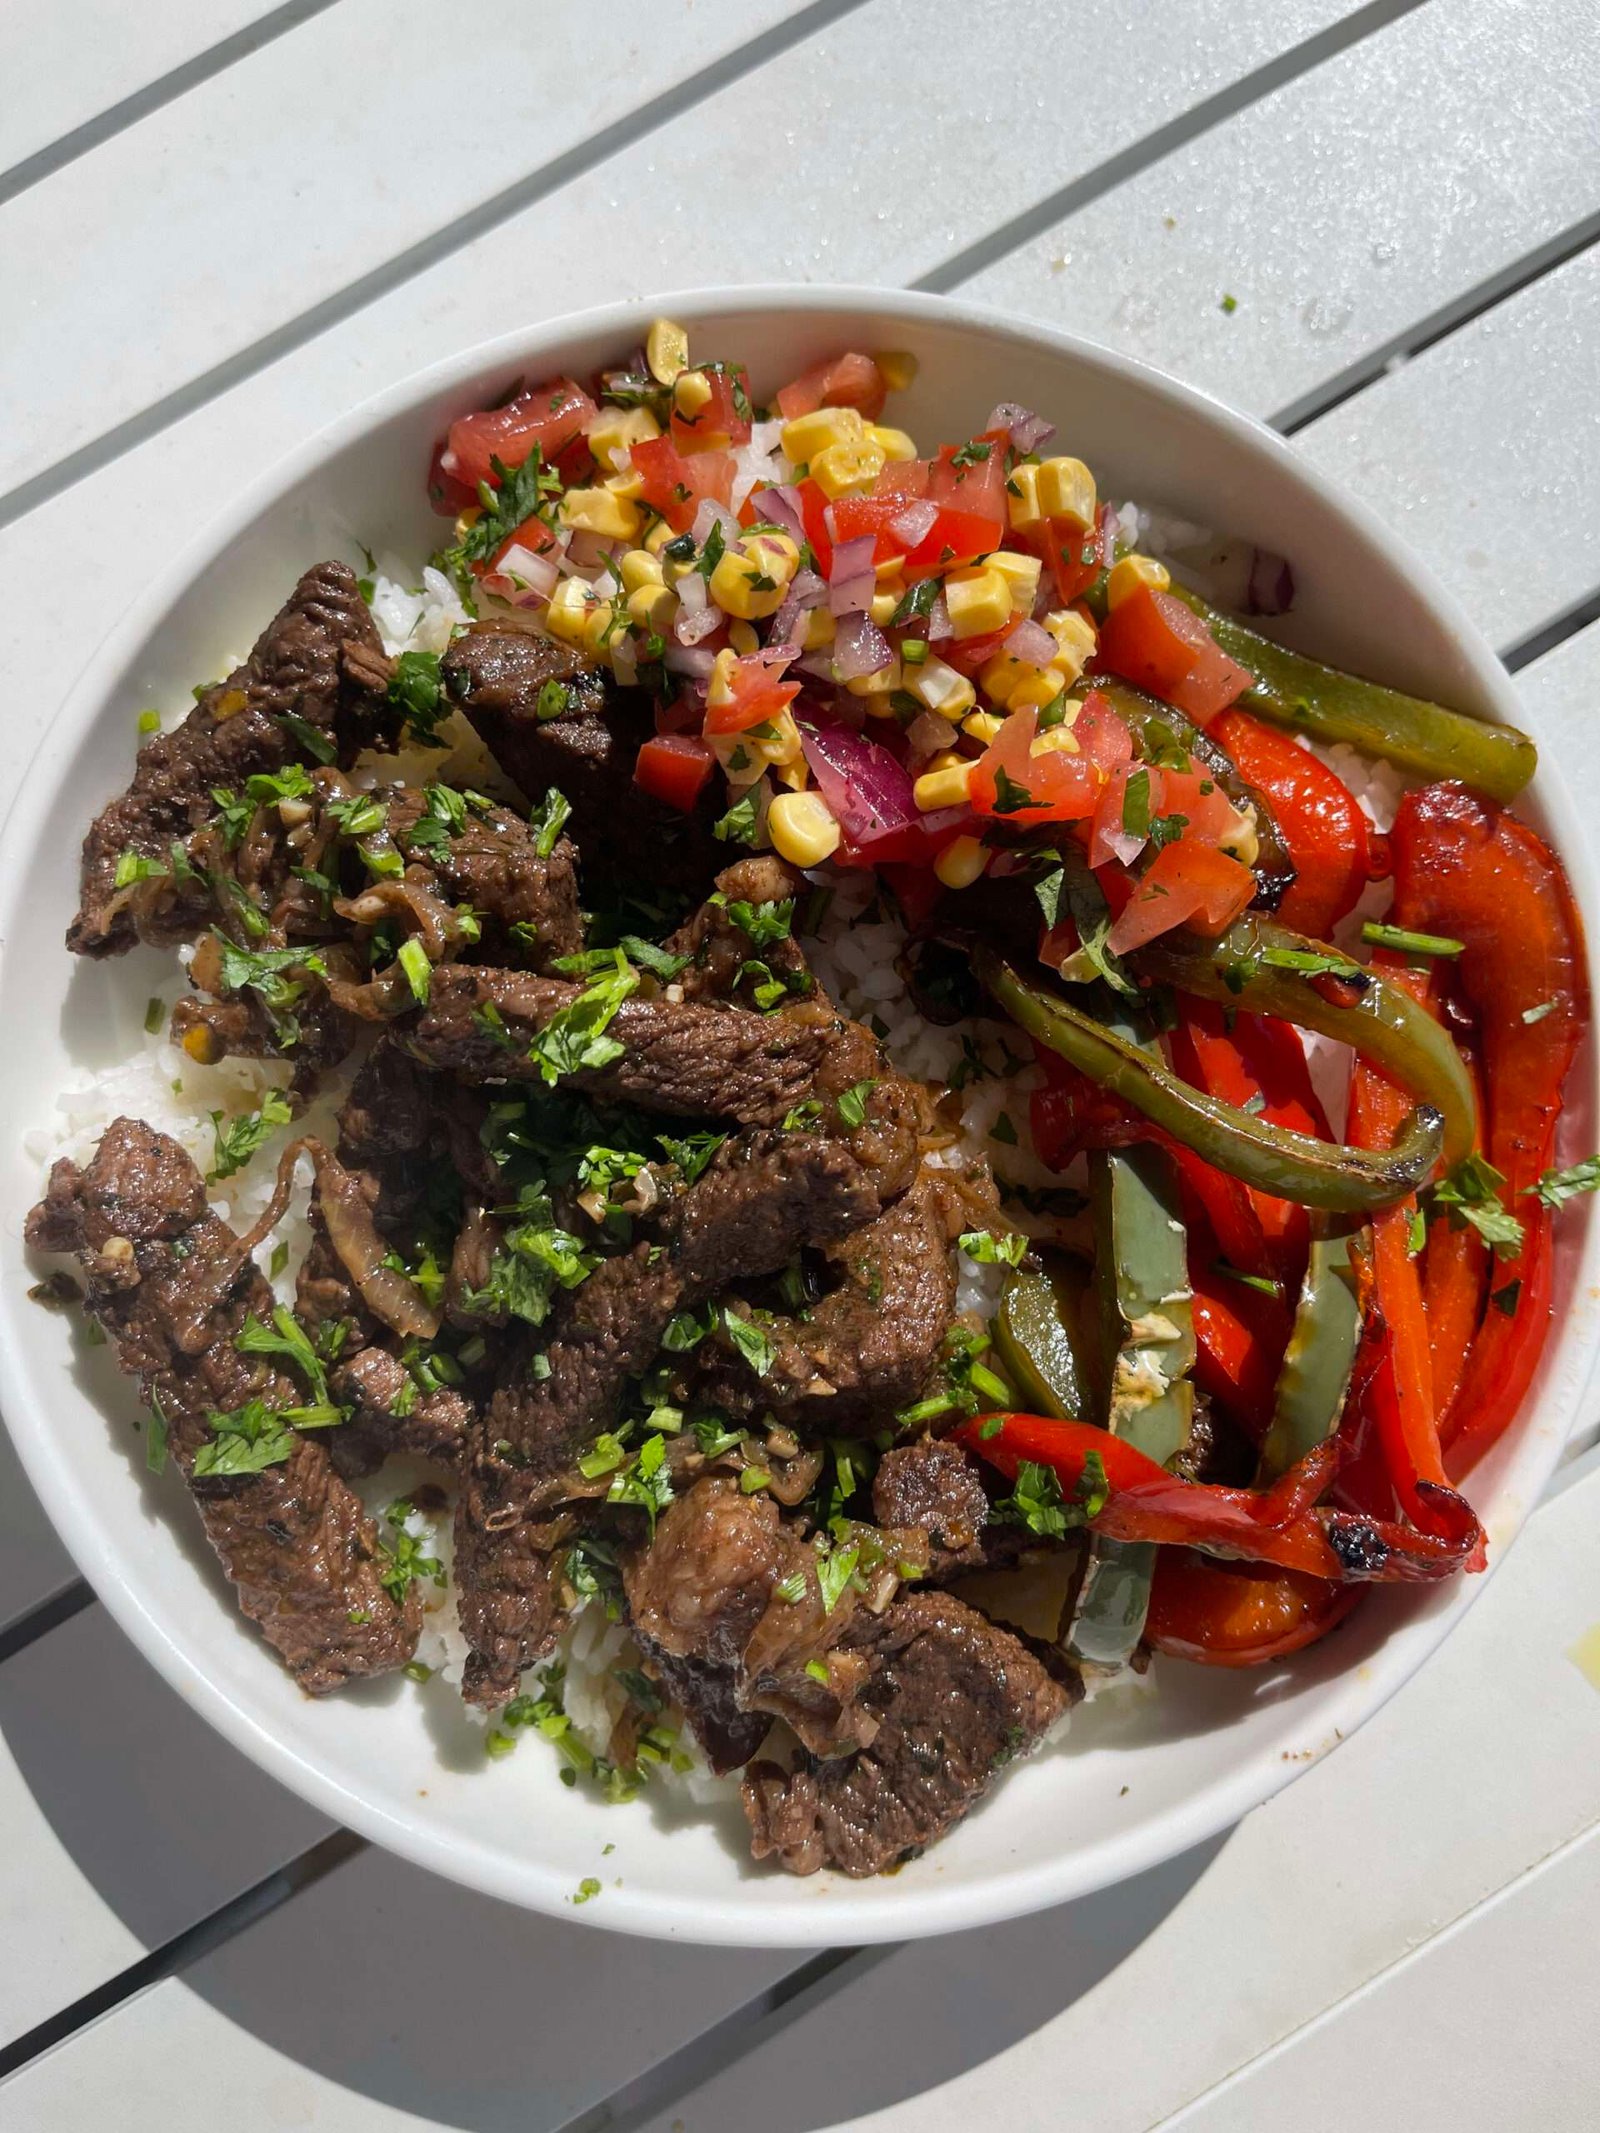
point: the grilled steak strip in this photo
(954, 1698)
(319, 660)
(681, 1057)
(170, 1285)
(763, 1194)
(587, 750)
(719, 948)
(871, 1344)
(493, 863)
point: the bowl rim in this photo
(851, 1912)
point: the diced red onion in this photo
(859, 647)
(788, 623)
(781, 507)
(939, 620)
(851, 581)
(710, 514)
(1032, 643)
(1028, 430)
(689, 660)
(696, 617)
(819, 665)
(808, 589)
(928, 733)
(1270, 590)
(523, 578)
(589, 550)
(865, 787)
(912, 526)
(1125, 845)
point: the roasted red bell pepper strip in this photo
(1454, 1271)
(1467, 869)
(1283, 1525)
(1220, 1614)
(1240, 1335)
(1318, 817)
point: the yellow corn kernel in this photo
(796, 775)
(615, 518)
(847, 469)
(978, 601)
(1132, 571)
(1035, 690)
(801, 828)
(640, 567)
(658, 536)
(891, 567)
(628, 482)
(1002, 676)
(568, 610)
(743, 639)
(1056, 740)
(876, 689)
(1243, 841)
(894, 444)
(982, 725)
(1022, 497)
(752, 576)
(666, 350)
(620, 428)
(1075, 640)
(947, 785)
(941, 689)
(1021, 573)
(824, 427)
(897, 368)
(740, 759)
(719, 685)
(691, 391)
(891, 591)
(653, 607)
(783, 743)
(1067, 493)
(202, 1045)
(600, 626)
(821, 629)
(961, 863)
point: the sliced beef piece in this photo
(503, 680)
(720, 947)
(172, 1288)
(682, 1057)
(319, 660)
(763, 1193)
(493, 863)
(871, 1344)
(954, 1698)
(694, 1595)
(938, 1487)
(392, 1415)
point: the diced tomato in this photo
(719, 425)
(758, 692)
(1328, 836)
(676, 486)
(1075, 559)
(1101, 736)
(854, 517)
(849, 380)
(968, 654)
(814, 517)
(1010, 781)
(972, 478)
(905, 478)
(1186, 884)
(552, 416)
(1151, 639)
(674, 769)
(447, 492)
(533, 534)
(955, 537)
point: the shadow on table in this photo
(428, 1999)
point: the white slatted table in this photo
(221, 223)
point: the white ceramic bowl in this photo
(1137, 1780)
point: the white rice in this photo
(856, 958)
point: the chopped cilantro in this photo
(739, 824)
(238, 1139)
(155, 1441)
(752, 1342)
(986, 1249)
(402, 1561)
(573, 1041)
(548, 822)
(413, 961)
(852, 1105)
(1557, 1187)
(1471, 1194)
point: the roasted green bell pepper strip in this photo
(1307, 697)
(1291, 1166)
(1260, 965)
(1154, 725)
(1037, 1334)
(1315, 1375)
